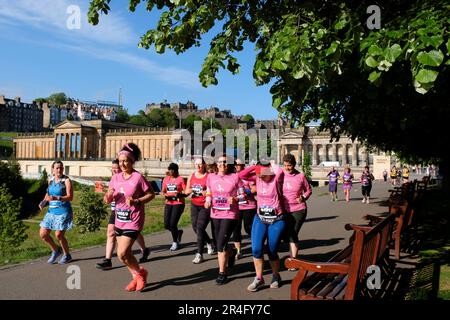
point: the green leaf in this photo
(331, 49)
(279, 65)
(422, 88)
(375, 50)
(298, 74)
(276, 102)
(448, 46)
(371, 62)
(426, 76)
(433, 58)
(391, 53)
(374, 75)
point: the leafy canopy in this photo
(385, 87)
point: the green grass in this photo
(444, 283)
(434, 228)
(34, 247)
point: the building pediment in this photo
(292, 135)
(68, 124)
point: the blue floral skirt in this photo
(57, 221)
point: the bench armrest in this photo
(321, 267)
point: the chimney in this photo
(17, 99)
(2, 99)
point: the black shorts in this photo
(133, 234)
(112, 218)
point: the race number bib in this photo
(197, 190)
(365, 182)
(172, 188)
(53, 204)
(267, 214)
(220, 203)
(123, 215)
(241, 196)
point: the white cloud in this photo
(170, 75)
(52, 16)
(106, 41)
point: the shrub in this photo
(12, 230)
(91, 212)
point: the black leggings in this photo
(294, 222)
(200, 219)
(246, 216)
(366, 190)
(172, 214)
(223, 229)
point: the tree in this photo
(306, 166)
(122, 116)
(40, 100)
(92, 211)
(170, 119)
(383, 86)
(57, 99)
(12, 230)
(249, 120)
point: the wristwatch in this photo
(137, 202)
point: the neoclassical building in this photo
(299, 141)
(94, 140)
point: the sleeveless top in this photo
(198, 186)
(58, 207)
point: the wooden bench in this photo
(343, 277)
(404, 216)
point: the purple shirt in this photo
(333, 177)
(294, 186)
(129, 217)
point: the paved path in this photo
(172, 275)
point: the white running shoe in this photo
(198, 258)
(174, 246)
(210, 248)
(363, 200)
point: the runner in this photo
(173, 190)
(393, 175)
(221, 197)
(347, 183)
(200, 216)
(296, 190)
(405, 174)
(130, 191)
(247, 209)
(270, 222)
(366, 184)
(333, 176)
(59, 216)
(106, 264)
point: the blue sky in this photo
(40, 56)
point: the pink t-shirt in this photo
(129, 217)
(269, 193)
(173, 186)
(221, 188)
(248, 202)
(294, 186)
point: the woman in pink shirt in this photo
(296, 190)
(221, 196)
(247, 209)
(130, 191)
(269, 222)
(173, 190)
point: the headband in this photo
(128, 154)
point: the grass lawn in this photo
(34, 247)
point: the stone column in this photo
(354, 155)
(314, 155)
(300, 157)
(344, 155)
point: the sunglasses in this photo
(221, 162)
